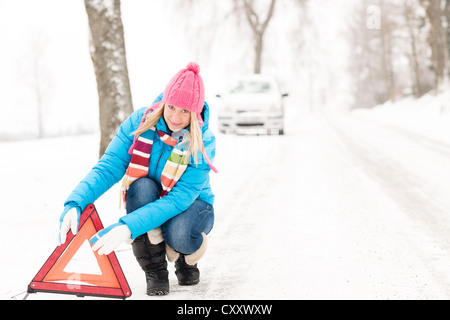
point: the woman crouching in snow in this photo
(163, 155)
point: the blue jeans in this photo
(183, 232)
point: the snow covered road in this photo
(354, 209)
(408, 182)
(341, 207)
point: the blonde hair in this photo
(194, 136)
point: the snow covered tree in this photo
(394, 58)
(109, 58)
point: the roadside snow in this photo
(429, 115)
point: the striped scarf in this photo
(140, 158)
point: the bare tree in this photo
(438, 39)
(109, 58)
(35, 72)
(368, 55)
(387, 38)
(417, 58)
(380, 50)
(447, 15)
(259, 27)
(249, 19)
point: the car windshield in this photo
(252, 87)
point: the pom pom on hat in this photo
(194, 67)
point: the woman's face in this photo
(176, 118)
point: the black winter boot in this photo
(152, 259)
(187, 275)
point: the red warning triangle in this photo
(54, 276)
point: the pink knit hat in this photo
(186, 90)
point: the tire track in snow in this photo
(426, 142)
(429, 215)
(235, 233)
(410, 191)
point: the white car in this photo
(252, 102)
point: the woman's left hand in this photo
(109, 239)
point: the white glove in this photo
(109, 239)
(68, 221)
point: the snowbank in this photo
(429, 115)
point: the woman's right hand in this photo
(69, 221)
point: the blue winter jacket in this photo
(193, 184)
